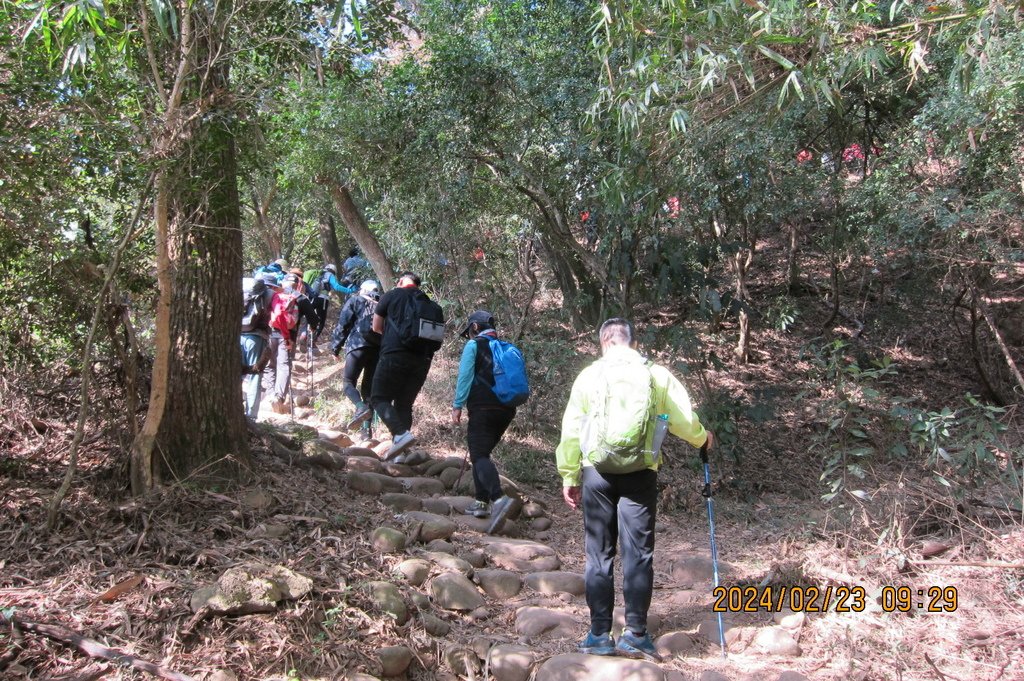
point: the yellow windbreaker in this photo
(670, 398)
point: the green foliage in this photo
(849, 398)
(959, 441)
(782, 313)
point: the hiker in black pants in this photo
(320, 292)
(621, 393)
(488, 418)
(354, 333)
(401, 371)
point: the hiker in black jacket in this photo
(401, 371)
(355, 335)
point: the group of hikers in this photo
(620, 409)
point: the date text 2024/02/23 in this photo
(836, 599)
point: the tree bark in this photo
(580, 276)
(195, 422)
(360, 231)
(792, 266)
(741, 263)
(329, 241)
(271, 239)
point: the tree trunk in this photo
(792, 267)
(360, 231)
(195, 423)
(270, 238)
(741, 263)
(579, 274)
(329, 241)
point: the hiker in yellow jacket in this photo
(616, 399)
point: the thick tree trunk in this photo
(195, 423)
(360, 231)
(329, 241)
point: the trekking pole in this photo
(711, 523)
(309, 370)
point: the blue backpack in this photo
(510, 384)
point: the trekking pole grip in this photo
(706, 492)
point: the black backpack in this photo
(364, 325)
(254, 304)
(421, 325)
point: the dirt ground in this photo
(161, 548)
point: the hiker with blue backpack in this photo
(619, 410)
(277, 269)
(491, 384)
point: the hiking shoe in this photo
(362, 413)
(478, 509)
(399, 444)
(632, 645)
(499, 509)
(597, 645)
(278, 405)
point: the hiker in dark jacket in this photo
(401, 372)
(488, 418)
(354, 334)
(320, 294)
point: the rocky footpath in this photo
(511, 586)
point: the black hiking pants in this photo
(396, 383)
(483, 432)
(359, 361)
(320, 304)
(619, 510)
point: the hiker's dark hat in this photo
(481, 317)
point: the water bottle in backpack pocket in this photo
(660, 431)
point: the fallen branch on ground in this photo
(978, 564)
(93, 648)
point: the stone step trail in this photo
(428, 497)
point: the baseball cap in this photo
(482, 317)
(290, 279)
